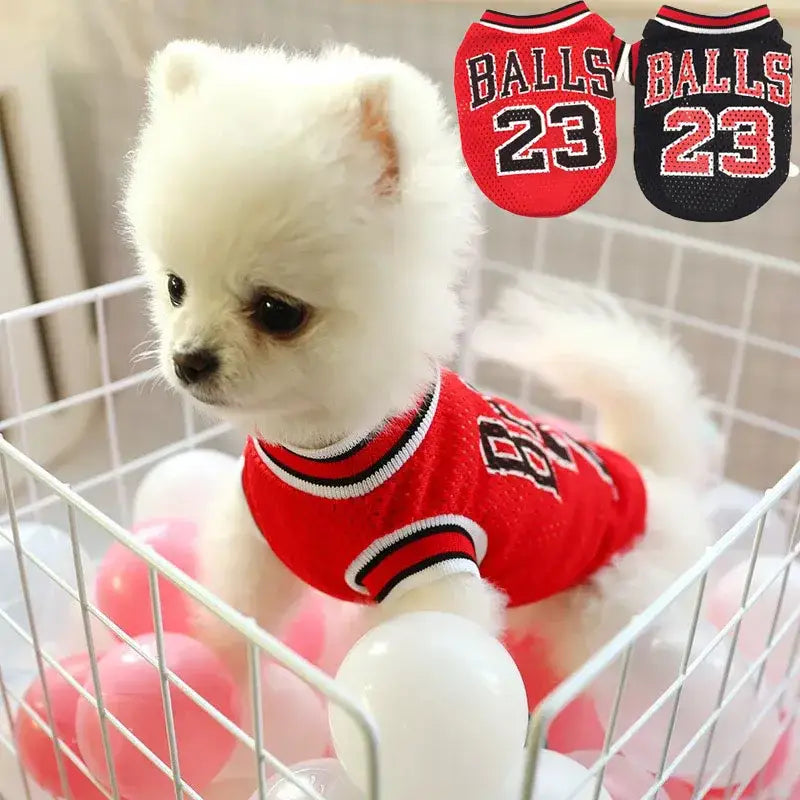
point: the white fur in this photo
(584, 345)
(250, 170)
(253, 169)
(233, 546)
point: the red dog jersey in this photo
(536, 107)
(466, 483)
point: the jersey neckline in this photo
(693, 22)
(548, 21)
(359, 464)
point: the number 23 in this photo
(752, 129)
(582, 136)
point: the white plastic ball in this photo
(623, 778)
(326, 775)
(559, 777)
(725, 598)
(182, 486)
(448, 702)
(56, 615)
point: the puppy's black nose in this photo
(195, 366)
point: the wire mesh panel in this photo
(52, 538)
(669, 681)
(79, 516)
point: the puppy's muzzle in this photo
(195, 365)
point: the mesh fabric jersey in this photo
(713, 125)
(536, 107)
(462, 483)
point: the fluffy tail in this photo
(585, 346)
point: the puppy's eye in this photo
(176, 288)
(278, 316)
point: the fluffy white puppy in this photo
(304, 223)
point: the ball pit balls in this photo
(58, 616)
(324, 774)
(132, 693)
(123, 581)
(725, 598)
(182, 486)
(305, 630)
(36, 750)
(450, 725)
(295, 722)
(655, 664)
(557, 777)
(623, 779)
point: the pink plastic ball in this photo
(323, 630)
(789, 775)
(774, 767)
(295, 725)
(123, 587)
(35, 745)
(295, 718)
(683, 790)
(345, 624)
(576, 728)
(305, 631)
(132, 693)
(530, 654)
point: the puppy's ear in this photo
(376, 128)
(178, 67)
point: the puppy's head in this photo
(304, 223)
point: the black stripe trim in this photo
(719, 16)
(424, 564)
(413, 427)
(619, 59)
(423, 533)
(352, 450)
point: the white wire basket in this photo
(141, 425)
